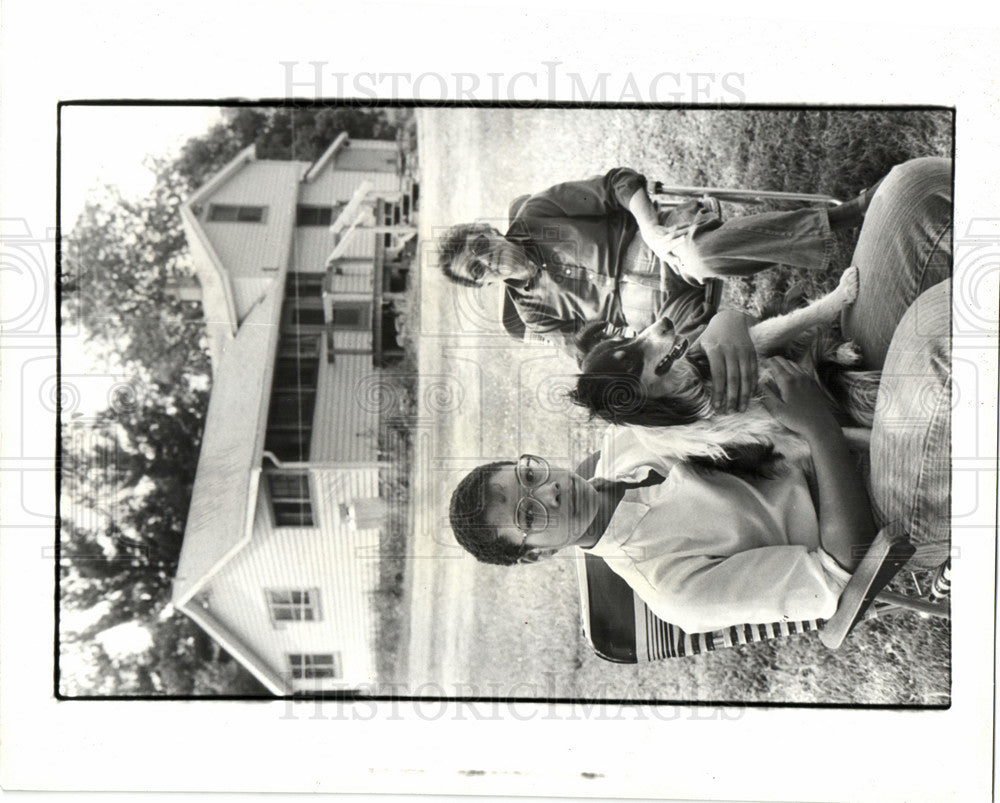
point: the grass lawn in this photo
(525, 630)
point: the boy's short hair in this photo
(451, 245)
(467, 512)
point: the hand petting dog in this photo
(732, 359)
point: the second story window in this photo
(231, 213)
(306, 215)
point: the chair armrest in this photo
(886, 556)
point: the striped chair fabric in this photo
(621, 628)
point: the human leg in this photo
(747, 245)
(911, 433)
(904, 248)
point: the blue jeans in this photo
(902, 322)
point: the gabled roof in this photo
(218, 299)
(328, 154)
(248, 154)
(220, 519)
(236, 647)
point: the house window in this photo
(230, 213)
(290, 497)
(300, 317)
(304, 285)
(355, 315)
(294, 605)
(293, 399)
(312, 667)
(299, 347)
(308, 215)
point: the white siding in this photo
(254, 250)
(337, 186)
(248, 292)
(357, 278)
(357, 156)
(311, 247)
(333, 557)
(334, 186)
(349, 399)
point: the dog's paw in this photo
(848, 354)
(848, 287)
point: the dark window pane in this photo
(304, 285)
(298, 346)
(314, 666)
(351, 316)
(295, 374)
(313, 215)
(307, 317)
(229, 213)
(289, 446)
(293, 514)
(251, 214)
(316, 672)
(288, 486)
(290, 408)
(348, 317)
(222, 214)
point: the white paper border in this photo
(177, 50)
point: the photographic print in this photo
(684, 373)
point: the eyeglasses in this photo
(479, 257)
(531, 515)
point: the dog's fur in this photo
(752, 442)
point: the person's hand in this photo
(664, 240)
(732, 359)
(794, 399)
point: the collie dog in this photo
(651, 381)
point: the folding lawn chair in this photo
(620, 627)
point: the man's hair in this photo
(452, 245)
(467, 512)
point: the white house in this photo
(299, 266)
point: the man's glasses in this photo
(479, 257)
(531, 515)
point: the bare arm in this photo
(726, 340)
(846, 525)
(661, 239)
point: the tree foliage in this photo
(127, 476)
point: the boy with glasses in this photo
(704, 549)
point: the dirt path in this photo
(495, 631)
